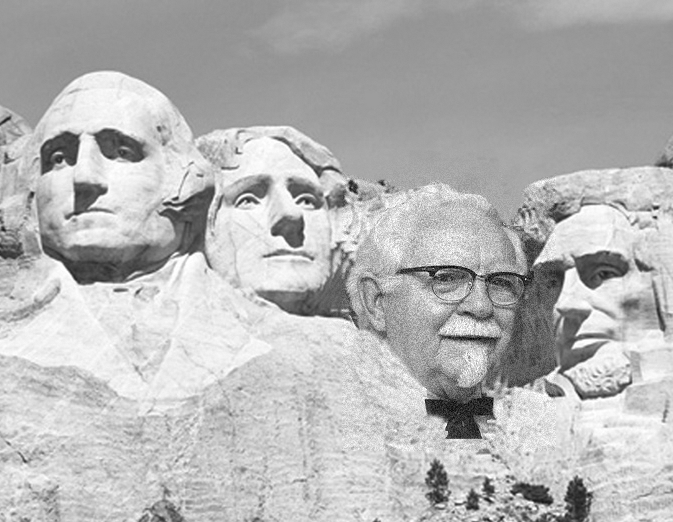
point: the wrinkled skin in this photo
(449, 347)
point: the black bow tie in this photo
(460, 415)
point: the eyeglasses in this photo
(454, 283)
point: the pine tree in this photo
(437, 482)
(578, 501)
(533, 492)
(488, 489)
(472, 500)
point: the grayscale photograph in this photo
(336, 260)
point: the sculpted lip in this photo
(89, 211)
(289, 253)
(590, 338)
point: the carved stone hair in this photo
(223, 148)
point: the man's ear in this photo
(371, 296)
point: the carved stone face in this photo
(449, 347)
(272, 229)
(103, 180)
(600, 295)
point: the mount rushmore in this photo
(175, 324)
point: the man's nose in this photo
(286, 218)
(573, 302)
(477, 303)
(89, 177)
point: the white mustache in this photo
(463, 327)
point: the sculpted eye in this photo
(58, 151)
(115, 145)
(607, 272)
(57, 158)
(127, 153)
(246, 201)
(308, 201)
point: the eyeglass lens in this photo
(453, 284)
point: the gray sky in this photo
(485, 98)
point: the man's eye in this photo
(307, 201)
(246, 201)
(503, 282)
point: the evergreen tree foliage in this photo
(533, 492)
(437, 482)
(472, 500)
(578, 501)
(488, 489)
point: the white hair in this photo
(386, 244)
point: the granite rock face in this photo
(326, 426)
(163, 387)
(12, 127)
(600, 244)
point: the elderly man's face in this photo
(103, 181)
(600, 295)
(272, 231)
(449, 346)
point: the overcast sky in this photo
(485, 98)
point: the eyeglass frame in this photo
(433, 269)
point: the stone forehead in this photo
(643, 194)
(169, 122)
(633, 189)
(595, 228)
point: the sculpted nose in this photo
(287, 219)
(573, 301)
(477, 303)
(88, 175)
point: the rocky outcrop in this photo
(326, 426)
(12, 127)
